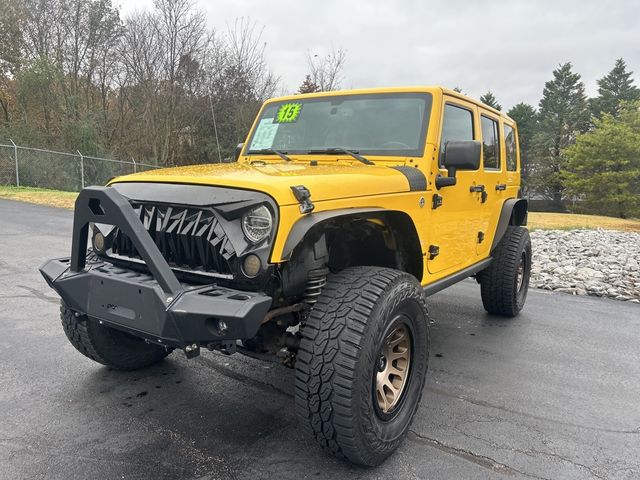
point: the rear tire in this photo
(504, 284)
(352, 401)
(108, 346)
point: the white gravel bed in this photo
(601, 263)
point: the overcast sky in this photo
(508, 47)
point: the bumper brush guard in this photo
(155, 306)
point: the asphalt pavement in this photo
(553, 393)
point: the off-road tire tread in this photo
(104, 345)
(496, 281)
(327, 356)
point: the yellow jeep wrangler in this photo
(316, 248)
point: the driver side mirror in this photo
(459, 155)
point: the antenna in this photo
(215, 127)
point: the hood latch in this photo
(303, 195)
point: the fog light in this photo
(251, 265)
(222, 327)
(98, 242)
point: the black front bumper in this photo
(155, 306)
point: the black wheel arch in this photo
(515, 212)
(396, 228)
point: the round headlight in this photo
(257, 224)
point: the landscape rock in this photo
(601, 263)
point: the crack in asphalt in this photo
(532, 452)
(37, 294)
(482, 403)
(480, 460)
(8, 297)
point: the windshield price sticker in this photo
(265, 133)
(288, 113)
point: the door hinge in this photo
(434, 251)
(480, 237)
(483, 196)
(436, 201)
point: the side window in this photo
(490, 143)
(510, 144)
(456, 125)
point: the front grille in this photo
(187, 238)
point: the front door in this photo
(456, 223)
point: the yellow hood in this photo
(325, 182)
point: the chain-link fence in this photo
(35, 167)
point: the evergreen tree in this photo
(308, 86)
(613, 89)
(602, 170)
(526, 118)
(563, 114)
(490, 100)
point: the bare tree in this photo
(163, 52)
(148, 87)
(238, 81)
(326, 72)
(11, 22)
(181, 32)
(246, 58)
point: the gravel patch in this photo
(601, 263)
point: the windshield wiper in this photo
(272, 151)
(334, 150)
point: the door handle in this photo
(501, 186)
(476, 188)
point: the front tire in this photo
(108, 346)
(504, 284)
(362, 361)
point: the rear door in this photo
(492, 178)
(512, 160)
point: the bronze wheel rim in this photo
(392, 367)
(520, 273)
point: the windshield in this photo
(375, 124)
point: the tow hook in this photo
(192, 350)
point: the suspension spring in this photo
(316, 280)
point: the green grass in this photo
(571, 221)
(41, 196)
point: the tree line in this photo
(582, 153)
(161, 87)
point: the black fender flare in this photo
(306, 223)
(514, 212)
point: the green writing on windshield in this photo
(288, 113)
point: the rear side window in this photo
(457, 125)
(510, 144)
(490, 143)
